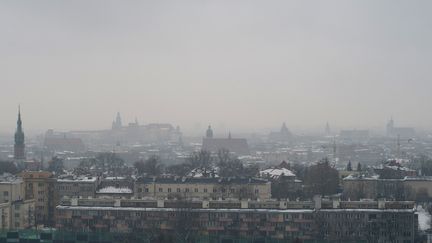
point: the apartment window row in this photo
(196, 190)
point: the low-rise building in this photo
(203, 188)
(73, 186)
(408, 188)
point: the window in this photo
(232, 190)
(139, 189)
(214, 190)
(5, 193)
(169, 189)
(40, 184)
(256, 191)
(187, 190)
(178, 189)
(205, 190)
(160, 190)
(146, 190)
(196, 190)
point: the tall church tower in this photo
(19, 147)
(117, 123)
(390, 127)
(209, 133)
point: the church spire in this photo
(19, 122)
(19, 138)
(209, 133)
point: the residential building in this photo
(40, 185)
(11, 188)
(15, 212)
(370, 221)
(409, 188)
(204, 188)
(77, 186)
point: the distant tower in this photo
(117, 124)
(390, 127)
(209, 133)
(284, 129)
(19, 147)
(334, 150)
(327, 130)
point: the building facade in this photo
(15, 211)
(203, 188)
(77, 186)
(284, 220)
(40, 185)
(408, 188)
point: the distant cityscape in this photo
(153, 181)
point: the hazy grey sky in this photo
(247, 64)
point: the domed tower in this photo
(19, 147)
(209, 133)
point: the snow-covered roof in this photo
(199, 172)
(7, 178)
(79, 179)
(114, 178)
(275, 173)
(112, 189)
(424, 218)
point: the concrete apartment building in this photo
(367, 221)
(15, 211)
(40, 185)
(202, 188)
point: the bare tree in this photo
(152, 166)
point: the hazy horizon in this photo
(240, 66)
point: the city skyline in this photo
(247, 65)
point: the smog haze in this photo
(244, 64)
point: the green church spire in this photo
(19, 138)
